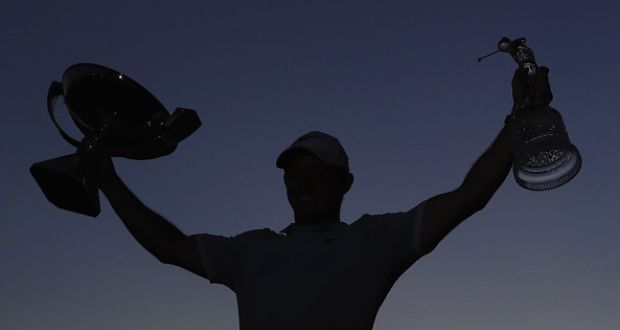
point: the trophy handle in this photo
(53, 93)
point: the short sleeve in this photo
(219, 256)
(397, 237)
(223, 258)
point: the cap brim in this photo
(289, 154)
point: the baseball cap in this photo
(324, 146)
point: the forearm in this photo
(490, 170)
(150, 229)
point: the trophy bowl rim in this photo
(70, 76)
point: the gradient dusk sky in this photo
(396, 81)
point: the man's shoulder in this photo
(403, 218)
(246, 236)
(264, 233)
(370, 218)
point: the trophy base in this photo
(544, 157)
(546, 169)
(64, 182)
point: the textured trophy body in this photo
(544, 157)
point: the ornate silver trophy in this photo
(544, 157)
(118, 118)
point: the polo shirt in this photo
(314, 277)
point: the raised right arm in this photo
(158, 236)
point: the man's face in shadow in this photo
(314, 189)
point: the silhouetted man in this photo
(319, 272)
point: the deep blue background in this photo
(396, 81)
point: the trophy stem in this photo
(67, 181)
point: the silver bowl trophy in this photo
(544, 157)
(119, 118)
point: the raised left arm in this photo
(444, 212)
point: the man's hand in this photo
(531, 91)
(103, 170)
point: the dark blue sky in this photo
(396, 81)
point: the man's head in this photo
(316, 175)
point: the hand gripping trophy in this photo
(544, 157)
(118, 118)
